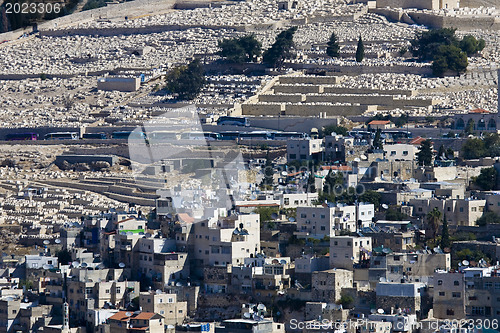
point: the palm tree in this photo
(434, 218)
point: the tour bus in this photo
(98, 136)
(288, 135)
(208, 136)
(62, 136)
(21, 136)
(229, 135)
(124, 135)
(398, 134)
(166, 136)
(235, 121)
(256, 135)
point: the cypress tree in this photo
(360, 51)
(333, 46)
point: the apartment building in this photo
(346, 251)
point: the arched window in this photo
(492, 124)
(460, 125)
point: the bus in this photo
(21, 137)
(235, 121)
(62, 136)
(99, 136)
(288, 135)
(163, 136)
(208, 136)
(396, 135)
(124, 135)
(229, 135)
(256, 135)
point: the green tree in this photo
(360, 50)
(426, 44)
(371, 197)
(445, 235)
(441, 152)
(474, 148)
(329, 129)
(395, 214)
(488, 218)
(377, 140)
(63, 257)
(449, 57)
(186, 81)
(433, 220)
(470, 45)
(487, 179)
(424, 156)
(281, 49)
(333, 48)
(310, 187)
(346, 301)
(240, 50)
(266, 213)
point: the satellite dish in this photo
(385, 206)
(46, 242)
(284, 173)
(158, 291)
(381, 311)
(247, 315)
(261, 307)
(357, 159)
(236, 232)
(465, 263)
(352, 258)
(170, 326)
(178, 284)
(128, 314)
(291, 219)
(57, 241)
(169, 216)
(363, 157)
(274, 216)
(84, 265)
(385, 250)
(283, 262)
(45, 266)
(373, 311)
(75, 264)
(121, 265)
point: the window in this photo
(488, 284)
(88, 290)
(405, 152)
(450, 312)
(456, 294)
(118, 290)
(442, 293)
(456, 283)
(440, 282)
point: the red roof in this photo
(145, 315)
(338, 168)
(185, 218)
(417, 141)
(120, 315)
(479, 111)
(125, 220)
(379, 122)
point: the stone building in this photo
(327, 285)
